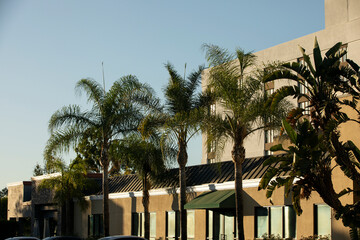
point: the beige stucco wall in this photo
(341, 11)
(122, 208)
(347, 32)
(16, 207)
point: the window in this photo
(191, 224)
(268, 153)
(152, 225)
(27, 193)
(138, 222)
(172, 225)
(269, 91)
(220, 225)
(213, 109)
(95, 225)
(278, 221)
(269, 136)
(342, 49)
(322, 215)
(138, 225)
(303, 88)
(305, 107)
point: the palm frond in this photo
(216, 55)
(93, 89)
(73, 116)
(62, 141)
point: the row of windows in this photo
(279, 221)
(172, 224)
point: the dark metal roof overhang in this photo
(211, 200)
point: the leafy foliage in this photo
(4, 192)
(307, 164)
(38, 170)
(70, 184)
(113, 115)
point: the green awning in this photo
(215, 199)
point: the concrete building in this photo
(211, 186)
(342, 24)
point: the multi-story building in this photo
(342, 24)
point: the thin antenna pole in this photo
(185, 71)
(102, 63)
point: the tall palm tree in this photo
(181, 121)
(113, 114)
(146, 158)
(240, 92)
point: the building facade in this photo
(342, 24)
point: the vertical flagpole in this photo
(102, 64)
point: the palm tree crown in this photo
(113, 114)
(239, 90)
(184, 111)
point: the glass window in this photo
(262, 217)
(269, 91)
(343, 58)
(289, 222)
(213, 109)
(152, 226)
(191, 224)
(305, 106)
(172, 225)
(322, 220)
(95, 225)
(276, 221)
(138, 224)
(213, 225)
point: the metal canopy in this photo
(215, 199)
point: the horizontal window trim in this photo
(248, 183)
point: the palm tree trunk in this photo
(69, 218)
(104, 161)
(238, 155)
(182, 160)
(145, 202)
(105, 183)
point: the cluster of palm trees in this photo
(128, 124)
(129, 116)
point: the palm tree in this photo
(241, 94)
(181, 121)
(113, 114)
(146, 158)
(70, 184)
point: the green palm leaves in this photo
(185, 108)
(321, 78)
(308, 164)
(237, 88)
(113, 114)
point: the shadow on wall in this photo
(175, 201)
(344, 233)
(249, 205)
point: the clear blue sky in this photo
(47, 46)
